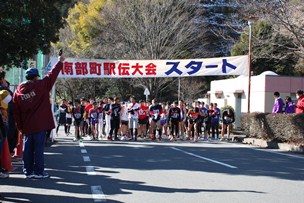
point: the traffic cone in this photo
(6, 157)
(19, 147)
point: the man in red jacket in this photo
(300, 105)
(33, 116)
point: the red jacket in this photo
(32, 107)
(300, 105)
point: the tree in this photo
(26, 26)
(270, 50)
(192, 89)
(137, 29)
(83, 25)
(286, 16)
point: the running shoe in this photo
(41, 176)
(3, 175)
(31, 176)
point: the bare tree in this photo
(192, 88)
(286, 17)
(149, 29)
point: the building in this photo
(234, 92)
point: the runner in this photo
(108, 117)
(155, 114)
(142, 119)
(174, 118)
(133, 108)
(193, 119)
(87, 117)
(77, 113)
(69, 117)
(204, 121)
(93, 118)
(124, 121)
(164, 120)
(148, 133)
(62, 116)
(183, 118)
(115, 109)
(228, 119)
(215, 121)
(84, 127)
(100, 119)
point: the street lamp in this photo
(250, 21)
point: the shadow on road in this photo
(70, 183)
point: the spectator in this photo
(33, 115)
(5, 98)
(300, 105)
(12, 133)
(289, 108)
(278, 103)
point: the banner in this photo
(97, 68)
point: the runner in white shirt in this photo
(133, 108)
(124, 120)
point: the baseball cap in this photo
(33, 71)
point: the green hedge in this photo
(287, 128)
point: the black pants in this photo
(65, 127)
(175, 128)
(114, 127)
(215, 127)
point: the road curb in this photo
(273, 145)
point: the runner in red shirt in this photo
(142, 119)
(193, 116)
(87, 119)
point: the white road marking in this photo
(204, 158)
(280, 153)
(86, 158)
(98, 194)
(81, 144)
(90, 171)
(83, 151)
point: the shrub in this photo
(274, 127)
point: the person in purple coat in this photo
(289, 108)
(278, 103)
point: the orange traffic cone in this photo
(6, 157)
(19, 147)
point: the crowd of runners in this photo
(111, 119)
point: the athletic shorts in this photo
(125, 123)
(133, 122)
(143, 121)
(93, 121)
(193, 121)
(78, 123)
(69, 121)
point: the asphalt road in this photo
(146, 171)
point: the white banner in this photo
(96, 68)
